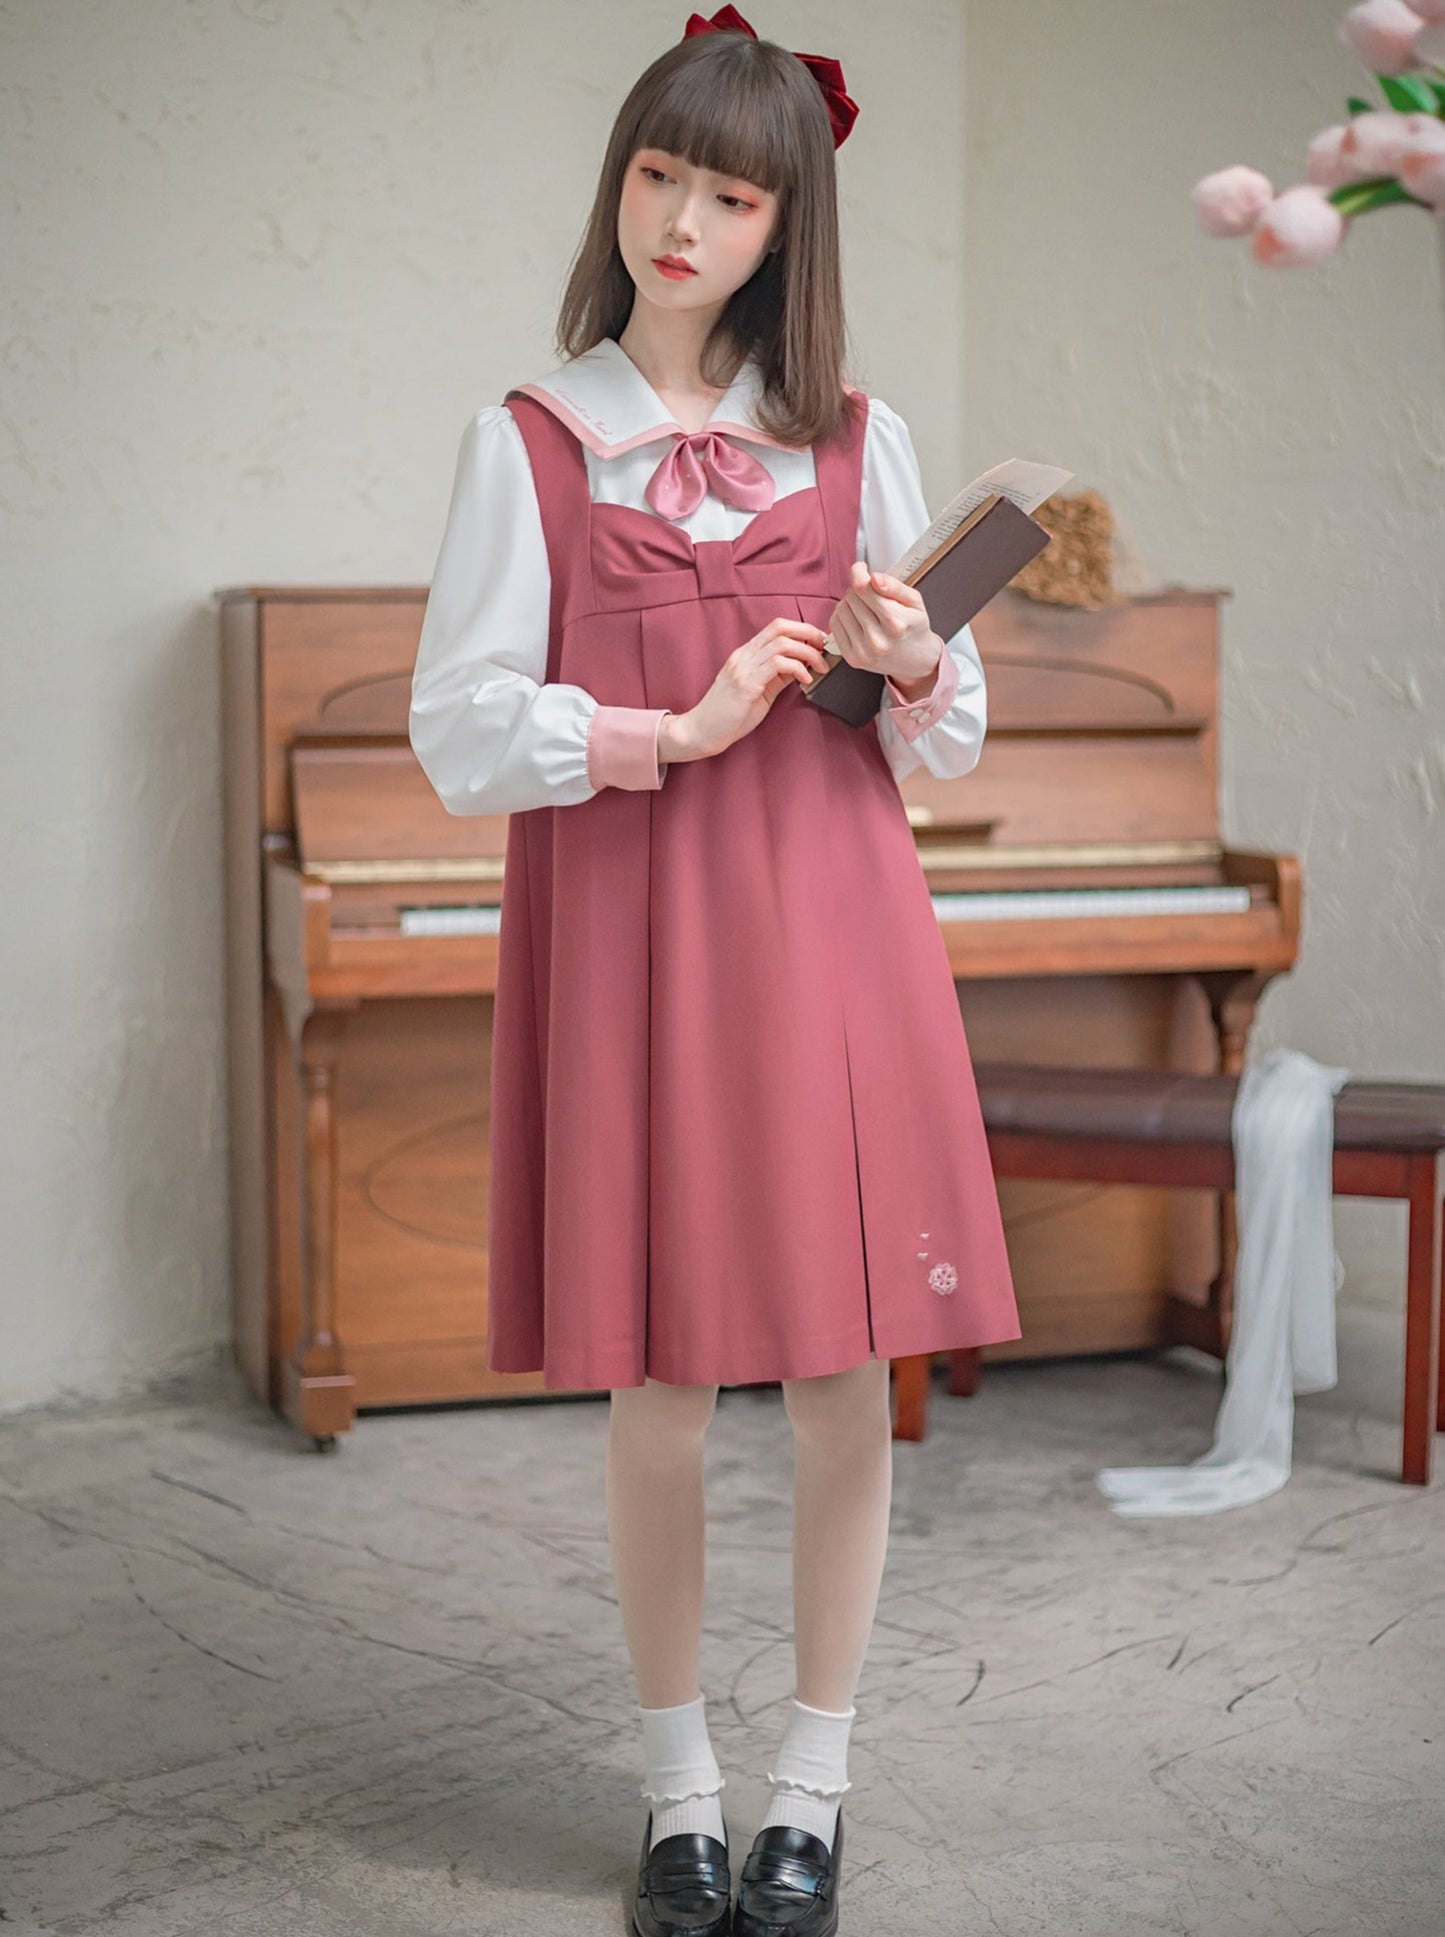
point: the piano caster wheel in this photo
(324, 1442)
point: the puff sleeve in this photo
(945, 730)
(492, 733)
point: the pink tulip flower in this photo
(1300, 227)
(1374, 143)
(1422, 170)
(1230, 200)
(1428, 9)
(1326, 166)
(1382, 33)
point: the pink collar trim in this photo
(604, 399)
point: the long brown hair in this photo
(740, 107)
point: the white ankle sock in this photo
(810, 1771)
(682, 1777)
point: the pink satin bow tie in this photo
(680, 483)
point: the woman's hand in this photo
(738, 699)
(881, 625)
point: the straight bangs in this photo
(740, 131)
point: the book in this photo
(979, 541)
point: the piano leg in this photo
(1233, 1000)
(963, 1371)
(910, 1385)
(1221, 1289)
(1425, 1272)
(318, 1393)
(1440, 1288)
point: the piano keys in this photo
(1091, 912)
(1018, 904)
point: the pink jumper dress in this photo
(735, 1134)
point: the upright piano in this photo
(1092, 913)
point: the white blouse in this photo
(493, 735)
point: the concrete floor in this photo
(245, 1689)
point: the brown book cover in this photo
(957, 580)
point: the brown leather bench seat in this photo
(1168, 1127)
(1174, 1107)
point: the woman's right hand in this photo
(738, 699)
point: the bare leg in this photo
(655, 1528)
(842, 1497)
(655, 1521)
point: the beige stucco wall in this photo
(264, 259)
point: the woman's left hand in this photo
(881, 625)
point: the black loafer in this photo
(684, 1888)
(789, 1884)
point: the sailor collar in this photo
(604, 399)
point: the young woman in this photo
(735, 1135)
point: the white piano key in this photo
(451, 921)
(1023, 904)
(1038, 904)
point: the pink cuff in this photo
(913, 717)
(622, 747)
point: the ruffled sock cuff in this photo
(813, 1755)
(679, 1757)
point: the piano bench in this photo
(1166, 1127)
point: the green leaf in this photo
(1437, 88)
(1358, 198)
(1409, 95)
(1357, 106)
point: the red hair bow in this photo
(842, 110)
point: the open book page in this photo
(1026, 484)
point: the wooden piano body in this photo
(1091, 914)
